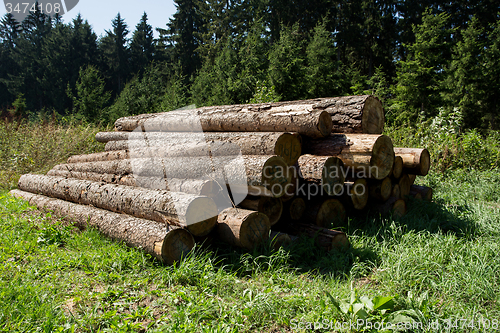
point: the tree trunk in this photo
(162, 241)
(424, 191)
(324, 170)
(364, 155)
(204, 187)
(397, 169)
(381, 190)
(329, 213)
(325, 238)
(300, 118)
(242, 228)
(416, 161)
(286, 145)
(196, 213)
(271, 207)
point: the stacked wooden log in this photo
(239, 173)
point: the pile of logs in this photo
(239, 173)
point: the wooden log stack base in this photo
(293, 210)
(358, 192)
(395, 206)
(404, 185)
(415, 160)
(196, 213)
(397, 169)
(364, 155)
(396, 192)
(165, 242)
(300, 118)
(324, 170)
(280, 239)
(243, 228)
(271, 207)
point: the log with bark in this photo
(324, 170)
(242, 228)
(380, 190)
(280, 239)
(329, 213)
(301, 118)
(206, 187)
(325, 238)
(286, 145)
(196, 213)
(363, 155)
(165, 242)
(424, 191)
(416, 161)
(271, 207)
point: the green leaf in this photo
(359, 311)
(383, 303)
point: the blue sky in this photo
(100, 13)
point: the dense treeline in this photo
(425, 58)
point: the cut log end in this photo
(270, 206)
(176, 245)
(331, 214)
(397, 169)
(359, 194)
(325, 124)
(382, 157)
(243, 228)
(276, 176)
(396, 192)
(404, 185)
(279, 239)
(332, 176)
(373, 116)
(289, 146)
(425, 162)
(254, 229)
(399, 209)
(381, 190)
(201, 216)
(296, 209)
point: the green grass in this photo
(439, 262)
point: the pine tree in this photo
(421, 77)
(9, 33)
(116, 53)
(142, 47)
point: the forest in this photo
(422, 58)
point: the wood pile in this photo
(238, 173)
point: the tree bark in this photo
(243, 228)
(300, 118)
(286, 145)
(349, 114)
(325, 170)
(204, 187)
(164, 242)
(424, 191)
(381, 190)
(271, 207)
(329, 213)
(416, 161)
(196, 213)
(397, 168)
(364, 155)
(324, 238)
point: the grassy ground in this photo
(437, 265)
